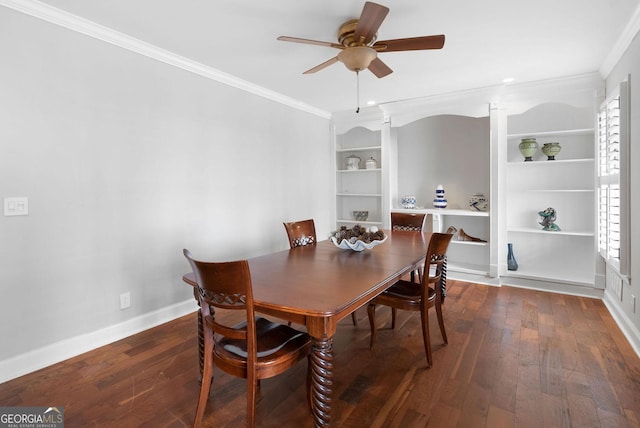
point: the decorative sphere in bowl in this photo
(361, 215)
(357, 238)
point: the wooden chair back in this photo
(301, 233)
(435, 264)
(413, 222)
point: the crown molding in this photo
(619, 48)
(89, 28)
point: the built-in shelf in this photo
(358, 149)
(566, 184)
(443, 211)
(350, 171)
(551, 233)
(577, 278)
(363, 223)
(558, 133)
(551, 164)
(359, 189)
(473, 243)
(372, 195)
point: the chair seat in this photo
(403, 293)
(274, 341)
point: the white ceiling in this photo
(486, 41)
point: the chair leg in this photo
(252, 387)
(441, 321)
(207, 371)
(354, 318)
(424, 315)
(371, 312)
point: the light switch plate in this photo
(16, 206)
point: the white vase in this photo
(440, 201)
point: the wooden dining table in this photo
(318, 285)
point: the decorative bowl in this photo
(408, 202)
(361, 215)
(356, 245)
(478, 202)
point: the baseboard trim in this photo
(627, 327)
(37, 359)
(553, 287)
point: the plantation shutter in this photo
(613, 184)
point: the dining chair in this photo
(303, 233)
(410, 296)
(412, 222)
(254, 349)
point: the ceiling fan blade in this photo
(310, 42)
(370, 20)
(410, 44)
(321, 66)
(379, 68)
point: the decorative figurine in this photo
(461, 235)
(440, 201)
(548, 219)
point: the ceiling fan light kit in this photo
(357, 58)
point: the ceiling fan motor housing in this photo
(346, 35)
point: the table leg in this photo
(321, 380)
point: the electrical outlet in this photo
(125, 300)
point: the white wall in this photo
(629, 64)
(448, 150)
(125, 161)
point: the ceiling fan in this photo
(359, 48)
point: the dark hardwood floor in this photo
(516, 358)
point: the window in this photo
(613, 180)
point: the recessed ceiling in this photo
(486, 42)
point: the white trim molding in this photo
(89, 28)
(630, 331)
(626, 37)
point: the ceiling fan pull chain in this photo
(357, 91)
